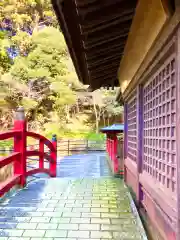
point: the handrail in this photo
(38, 154)
(20, 154)
(10, 134)
(40, 137)
(7, 160)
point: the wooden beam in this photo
(118, 28)
(82, 3)
(85, 23)
(111, 58)
(104, 54)
(103, 64)
(108, 66)
(105, 9)
(104, 73)
(104, 48)
(107, 41)
(109, 24)
(112, 77)
(67, 36)
(74, 31)
(105, 70)
(166, 31)
(105, 37)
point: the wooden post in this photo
(125, 137)
(53, 163)
(41, 158)
(115, 145)
(125, 130)
(140, 139)
(178, 131)
(20, 145)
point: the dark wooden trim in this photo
(64, 28)
(140, 129)
(178, 128)
(88, 28)
(106, 72)
(125, 130)
(109, 66)
(84, 24)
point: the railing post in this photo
(53, 163)
(115, 145)
(41, 158)
(20, 145)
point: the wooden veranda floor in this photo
(83, 202)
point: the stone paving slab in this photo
(79, 166)
(73, 209)
(83, 202)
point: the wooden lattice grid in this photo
(132, 127)
(159, 97)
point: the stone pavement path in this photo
(69, 209)
(79, 166)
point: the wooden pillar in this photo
(112, 148)
(115, 141)
(20, 145)
(41, 158)
(53, 164)
(125, 136)
(140, 138)
(178, 132)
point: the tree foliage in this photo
(37, 72)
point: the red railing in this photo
(19, 157)
(114, 151)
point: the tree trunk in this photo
(67, 113)
(96, 115)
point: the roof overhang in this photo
(96, 33)
(115, 129)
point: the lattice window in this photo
(132, 128)
(159, 125)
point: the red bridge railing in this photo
(20, 154)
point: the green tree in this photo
(5, 61)
(45, 72)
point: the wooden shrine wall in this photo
(154, 179)
(131, 149)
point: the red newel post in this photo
(53, 164)
(20, 145)
(41, 158)
(110, 146)
(115, 145)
